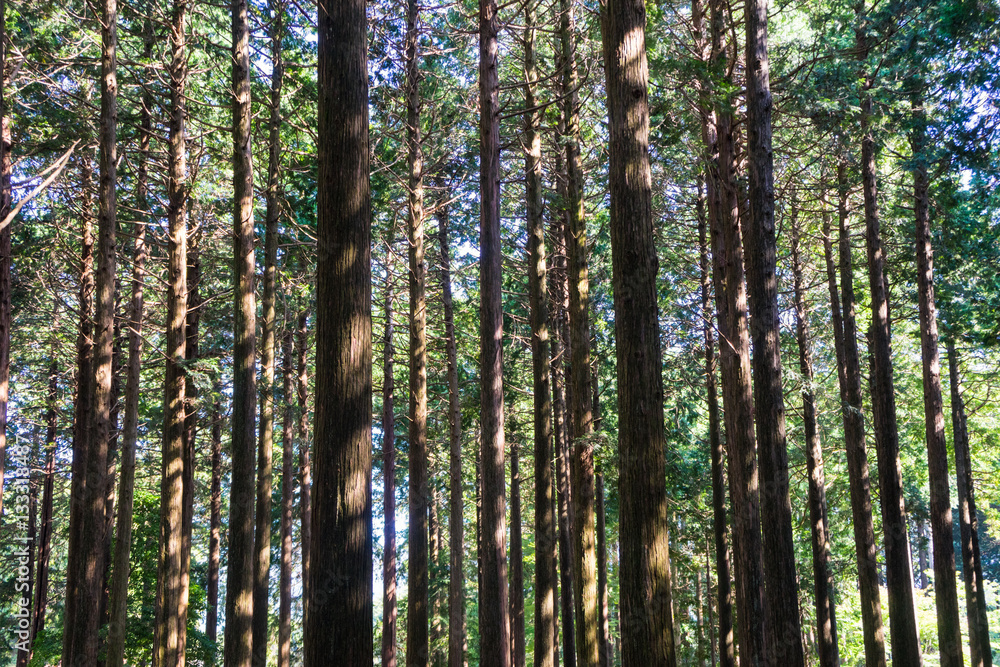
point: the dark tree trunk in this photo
(417, 615)
(972, 563)
(265, 443)
(784, 634)
(734, 358)
(494, 621)
(849, 377)
(389, 485)
(646, 598)
(305, 448)
(826, 619)
(602, 577)
(456, 525)
(171, 608)
(727, 650)
(945, 585)
(899, 575)
(238, 640)
(538, 297)
(339, 606)
(215, 523)
(287, 501)
(517, 640)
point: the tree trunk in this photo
(305, 447)
(494, 622)
(517, 640)
(456, 526)
(826, 620)
(6, 198)
(45, 526)
(899, 575)
(923, 558)
(238, 639)
(118, 604)
(171, 621)
(389, 485)
(945, 585)
(215, 523)
(972, 565)
(646, 598)
(339, 607)
(602, 577)
(287, 500)
(734, 357)
(545, 529)
(849, 378)
(417, 615)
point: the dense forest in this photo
(550, 332)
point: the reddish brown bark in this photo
(389, 485)
(287, 501)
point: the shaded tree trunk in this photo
(845, 337)
(517, 640)
(494, 621)
(602, 577)
(287, 500)
(945, 585)
(899, 577)
(171, 608)
(305, 447)
(646, 597)
(456, 525)
(339, 606)
(41, 600)
(389, 485)
(826, 619)
(972, 565)
(215, 522)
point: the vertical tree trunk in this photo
(945, 585)
(339, 607)
(240, 565)
(849, 378)
(727, 650)
(708, 600)
(6, 198)
(435, 609)
(923, 560)
(899, 576)
(781, 588)
(602, 577)
(517, 640)
(494, 621)
(215, 522)
(305, 447)
(545, 529)
(45, 526)
(646, 597)
(265, 443)
(171, 621)
(118, 603)
(972, 567)
(456, 525)
(826, 620)
(734, 358)
(389, 485)
(287, 500)
(417, 615)
(581, 406)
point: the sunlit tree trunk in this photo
(517, 640)
(305, 456)
(389, 484)
(287, 500)
(215, 522)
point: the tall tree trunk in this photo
(720, 530)
(646, 597)
(305, 448)
(118, 604)
(171, 621)
(435, 609)
(240, 566)
(708, 600)
(339, 606)
(456, 525)
(602, 577)
(899, 575)
(215, 523)
(784, 634)
(6, 198)
(545, 529)
(734, 358)
(581, 406)
(972, 564)
(845, 335)
(389, 485)
(265, 443)
(517, 640)
(945, 585)
(41, 600)
(923, 558)
(826, 619)
(287, 501)
(417, 615)
(494, 621)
